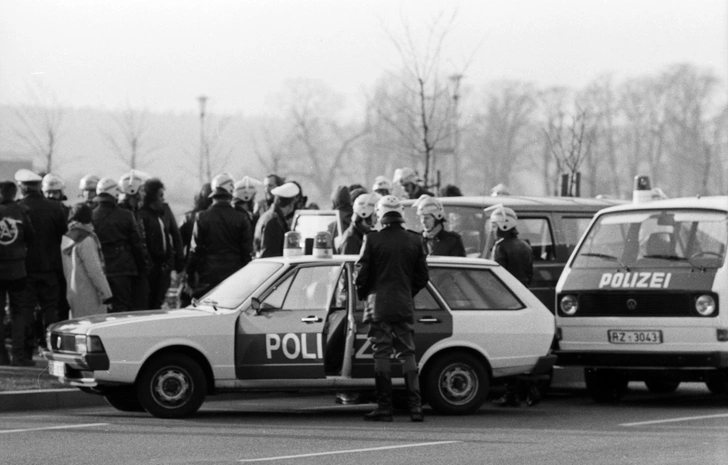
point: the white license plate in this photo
(57, 369)
(617, 336)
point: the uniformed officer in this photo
(130, 198)
(43, 262)
(88, 185)
(407, 178)
(435, 239)
(391, 270)
(244, 198)
(221, 240)
(16, 233)
(273, 224)
(382, 185)
(53, 188)
(362, 223)
(202, 202)
(269, 183)
(121, 245)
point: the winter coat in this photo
(162, 236)
(516, 256)
(270, 233)
(86, 284)
(352, 240)
(221, 243)
(16, 233)
(121, 242)
(392, 269)
(341, 200)
(49, 223)
(445, 243)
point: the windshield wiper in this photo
(212, 303)
(606, 257)
(675, 258)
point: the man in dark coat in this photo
(273, 224)
(269, 183)
(43, 262)
(16, 234)
(410, 182)
(121, 245)
(392, 269)
(221, 240)
(163, 241)
(435, 239)
(362, 223)
(130, 186)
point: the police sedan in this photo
(294, 324)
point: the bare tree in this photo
(41, 125)
(570, 137)
(130, 141)
(272, 144)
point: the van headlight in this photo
(705, 305)
(88, 344)
(569, 305)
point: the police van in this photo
(640, 298)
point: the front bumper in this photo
(78, 368)
(677, 360)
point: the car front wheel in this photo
(456, 384)
(172, 386)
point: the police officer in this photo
(391, 270)
(362, 223)
(121, 245)
(407, 178)
(16, 233)
(130, 198)
(43, 262)
(244, 198)
(382, 186)
(53, 188)
(221, 240)
(202, 202)
(88, 185)
(273, 224)
(435, 239)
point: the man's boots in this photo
(414, 399)
(383, 412)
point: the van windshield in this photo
(655, 238)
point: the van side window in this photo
(537, 232)
(573, 227)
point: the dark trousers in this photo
(159, 281)
(63, 307)
(122, 290)
(140, 293)
(43, 293)
(21, 315)
(392, 339)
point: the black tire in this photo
(124, 403)
(662, 386)
(605, 386)
(172, 386)
(456, 384)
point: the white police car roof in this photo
(719, 202)
(352, 258)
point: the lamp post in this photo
(455, 79)
(203, 149)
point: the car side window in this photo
(276, 297)
(473, 289)
(425, 302)
(537, 232)
(340, 297)
(311, 288)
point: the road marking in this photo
(87, 425)
(350, 451)
(675, 420)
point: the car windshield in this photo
(234, 290)
(655, 238)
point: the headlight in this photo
(88, 344)
(569, 305)
(705, 305)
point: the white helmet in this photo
(221, 184)
(52, 182)
(365, 204)
(406, 176)
(427, 205)
(88, 182)
(245, 188)
(381, 182)
(107, 186)
(387, 204)
(503, 218)
(131, 182)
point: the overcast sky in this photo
(162, 54)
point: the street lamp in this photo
(201, 166)
(455, 79)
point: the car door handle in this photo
(312, 319)
(429, 319)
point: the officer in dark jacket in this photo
(16, 233)
(43, 263)
(407, 178)
(244, 198)
(391, 270)
(435, 239)
(163, 241)
(130, 198)
(121, 245)
(362, 223)
(221, 240)
(273, 224)
(202, 202)
(53, 189)
(512, 253)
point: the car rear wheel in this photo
(662, 386)
(456, 384)
(605, 385)
(172, 386)
(124, 403)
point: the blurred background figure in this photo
(53, 189)
(382, 186)
(409, 181)
(88, 185)
(500, 189)
(202, 201)
(269, 183)
(451, 190)
(244, 198)
(88, 290)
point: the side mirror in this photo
(256, 305)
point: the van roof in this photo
(718, 202)
(518, 202)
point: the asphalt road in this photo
(689, 426)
